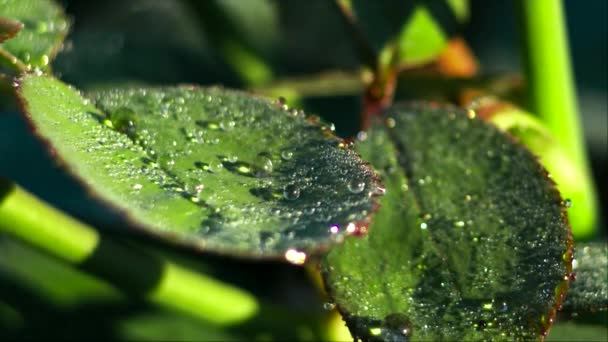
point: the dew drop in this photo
(264, 165)
(291, 192)
(362, 136)
(390, 123)
(44, 60)
(295, 257)
(567, 203)
(328, 306)
(375, 331)
(122, 120)
(356, 186)
(286, 155)
(211, 125)
(334, 229)
(167, 162)
(227, 125)
(243, 169)
(396, 325)
(215, 166)
(459, 224)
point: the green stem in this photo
(549, 75)
(551, 88)
(7, 59)
(25, 217)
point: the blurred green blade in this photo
(589, 292)
(215, 169)
(44, 28)
(471, 241)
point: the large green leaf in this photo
(44, 28)
(571, 332)
(471, 241)
(221, 170)
(590, 290)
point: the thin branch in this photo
(366, 52)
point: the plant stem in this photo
(25, 217)
(7, 59)
(551, 87)
(367, 54)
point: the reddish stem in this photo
(378, 97)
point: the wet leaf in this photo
(44, 28)
(220, 170)
(571, 332)
(589, 292)
(471, 241)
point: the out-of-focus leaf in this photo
(46, 293)
(589, 292)
(44, 28)
(219, 170)
(408, 32)
(571, 181)
(471, 241)
(244, 32)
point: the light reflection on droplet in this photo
(295, 257)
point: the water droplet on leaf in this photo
(286, 155)
(356, 186)
(295, 257)
(291, 192)
(215, 166)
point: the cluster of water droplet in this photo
(258, 170)
(486, 260)
(43, 27)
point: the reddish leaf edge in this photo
(181, 240)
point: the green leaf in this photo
(421, 39)
(571, 179)
(471, 241)
(35, 45)
(572, 332)
(216, 169)
(589, 292)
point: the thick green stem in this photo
(25, 217)
(551, 87)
